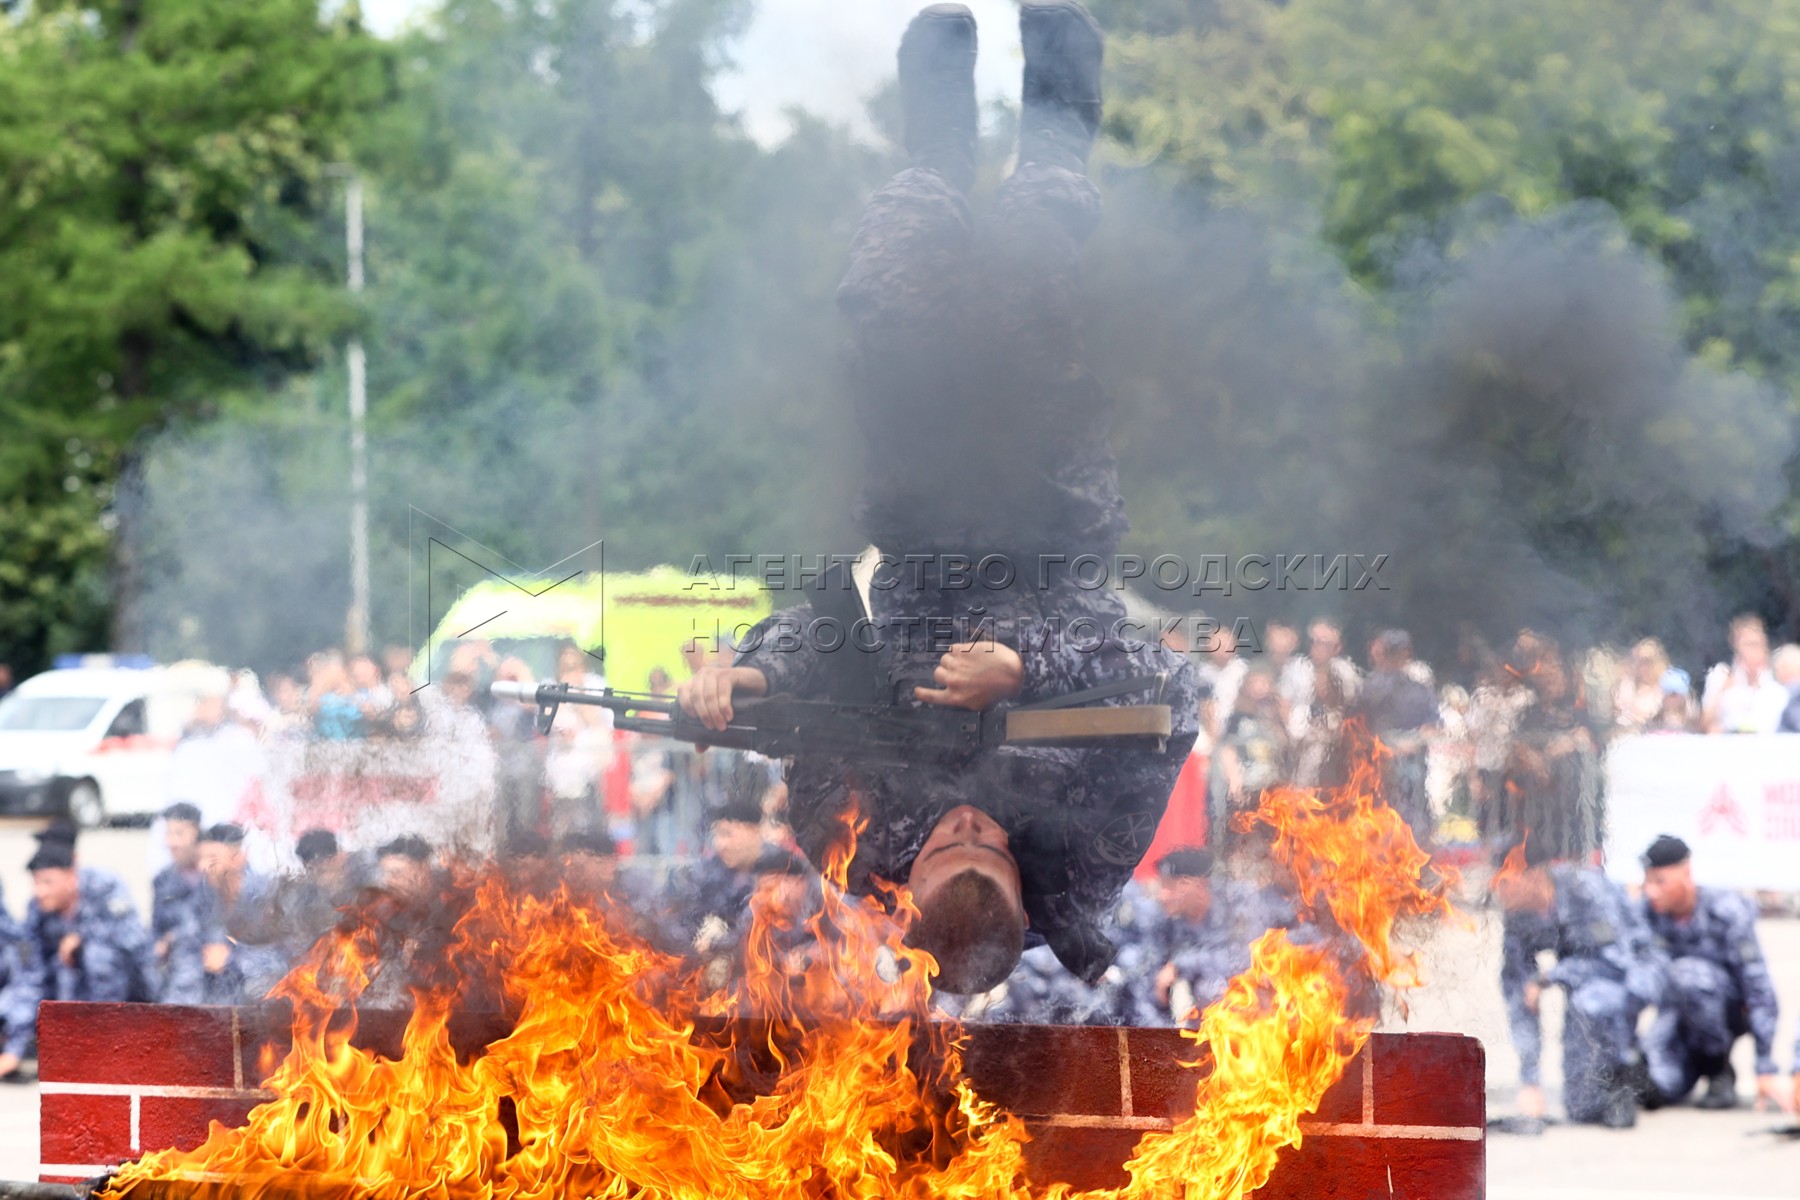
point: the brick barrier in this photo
(1405, 1122)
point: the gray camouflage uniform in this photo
(1609, 965)
(985, 435)
(1719, 989)
(114, 963)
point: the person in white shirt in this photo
(1743, 696)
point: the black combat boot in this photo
(1063, 52)
(1721, 1088)
(937, 92)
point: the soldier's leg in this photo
(1598, 1039)
(1701, 996)
(1673, 1070)
(1037, 387)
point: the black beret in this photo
(316, 845)
(591, 841)
(181, 810)
(747, 811)
(52, 854)
(776, 861)
(1666, 851)
(225, 833)
(1188, 862)
(409, 846)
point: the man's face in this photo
(1281, 642)
(1186, 897)
(364, 674)
(1670, 890)
(965, 839)
(56, 889)
(1751, 645)
(183, 840)
(1324, 645)
(737, 843)
(405, 876)
(328, 872)
(219, 861)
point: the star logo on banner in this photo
(1722, 811)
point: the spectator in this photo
(83, 940)
(1319, 691)
(1222, 672)
(578, 751)
(1638, 703)
(1398, 706)
(1677, 712)
(331, 698)
(1786, 664)
(287, 716)
(373, 697)
(214, 763)
(6, 679)
(240, 929)
(178, 908)
(1742, 696)
(519, 757)
(1553, 779)
(1251, 753)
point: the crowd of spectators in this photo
(1512, 741)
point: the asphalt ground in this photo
(1674, 1154)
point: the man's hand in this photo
(1534, 992)
(1769, 1094)
(8, 1064)
(163, 945)
(706, 694)
(975, 675)
(214, 956)
(1165, 979)
(69, 948)
(1794, 1100)
(1531, 1101)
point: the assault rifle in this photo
(780, 726)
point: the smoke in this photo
(1518, 426)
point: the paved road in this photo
(1675, 1154)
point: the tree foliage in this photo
(162, 164)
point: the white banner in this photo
(1734, 798)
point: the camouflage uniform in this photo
(11, 977)
(976, 329)
(1607, 961)
(115, 961)
(178, 906)
(251, 927)
(1208, 953)
(710, 900)
(1719, 989)
(977, 332)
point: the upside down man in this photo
(984, 440)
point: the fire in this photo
(823, 1074)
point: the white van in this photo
(91, 743)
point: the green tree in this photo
(162, 168)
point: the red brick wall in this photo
(1405, 1121)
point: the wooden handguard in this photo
(1079, 724)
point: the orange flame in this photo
(840, 1082)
